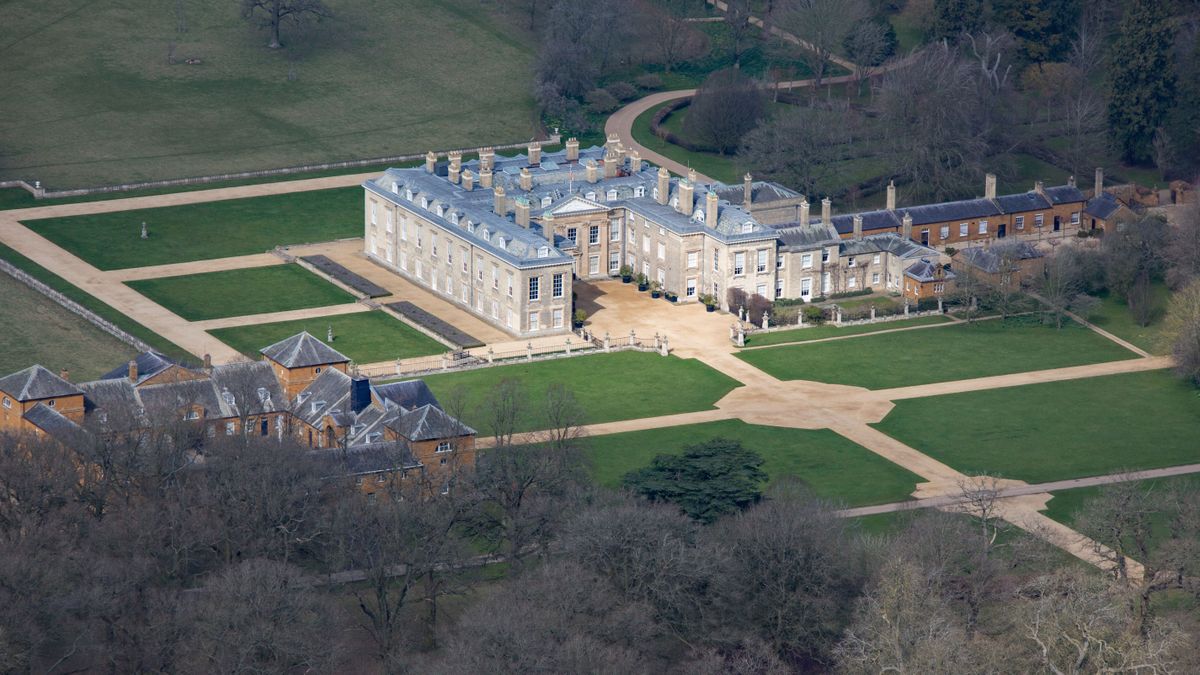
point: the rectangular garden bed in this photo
(434, 324)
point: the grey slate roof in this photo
(961, 210)
(872, 220)
(149, 364)
(366, 459)
(303, 350)
(1064, 194)
(761, 192)
(427, 423)
(34, 383)
(988, 258)
(1102, 206)
(927, 270)
(254, 383)
(965, 209)
(115, 398)
(328, 394)
(161, 401)
(1028, 201)
(797, 236)
(887, 242)
(54, 423)
(408, 394)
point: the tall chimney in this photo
(498, 202)
(487, 158)
(858, 226)
(468, 180)
(664, 185)
(360, 394)
(610, 165)
(430, 162)
(593, 171)
(989, 186)
(485, 178)
(526, 179)
(207, 363)
(521, 208)
(747, 190)
(455, 157)
(686, 190)
(692, 176)
(572, 149)
(133, 374)
(891, 195)
(826, 210)
(1071, 181)
(804, 216)
(613, 142)
(452, 174)
(1040, 188)
(906, 226)
(635, 162)
(535, 154)
(1098, 186)
(710, 209)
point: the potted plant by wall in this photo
(642, 282)
(579, 318)
(671, 297)
(655, 289)
(626, 274)
(710, 302)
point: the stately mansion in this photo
(504, 237)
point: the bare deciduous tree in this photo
(1182, 331)
(823, 24)
(725, 108)
(272, 14)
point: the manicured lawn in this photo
(952, 353)
(717, 167)
(91, 302)
(39, 330)
(1113, 316)
(829, 330)
(609, 387)
(1067, 504)
(365, 337)
(1057, 430)
(256, 290)
(91, 98)
(207, 230)
(833, 467)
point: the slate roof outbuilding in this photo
(35, 383)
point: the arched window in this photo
(486, 235)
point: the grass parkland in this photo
(254, 290)
(366, 337)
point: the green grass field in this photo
(207, 230)
(1113, 316)
(609, 387)
(39, 330)
(91, 98)
(833, 467)
(951, 353)
(1057, 430)
(92, 303)
(829, 331)
(256, 290)
(1067, 504)
(366, 337)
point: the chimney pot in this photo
(455, 157)
(487, 158)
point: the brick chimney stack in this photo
(65, 374)
(891, 195)
(535, 154)
(710, 209)
(906, 226)
(455, 157)
(468, 180)
(1098, 186)
(804, 215)
(664, 185)
(453, 174)
(207, 363)
(989, 186)
(485, 178)
(635, 162)
(572, 149)
(133, 371)
(430, 162)
(610, 165)
(521, 208)
(487, 158)
(692, 176)
(593, 171)
(526, 179)
(499, 207)
(747, 190)
(613, 144)
(858, 226)
(826, 210)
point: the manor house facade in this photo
(505, 237)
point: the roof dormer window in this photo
(503, 244)
(395, 187)
(470, 226)
(454, 217)
(698, 215)
(424, 202)
(747, 228)
(408, 194)
(612, 195)
(640, 191)
(543, 251)
(486, 235)
(591, 195)
(546, 201)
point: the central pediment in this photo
(576, 204)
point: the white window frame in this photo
(535, 288)
(964, 229)
(944, 232)
(739, 263)
(556, 285)
(690, 288)
(693, 259)
(761, 261)
(1019, 221)
(556, 317)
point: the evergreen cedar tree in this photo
(1143, 78)
(708, 480)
